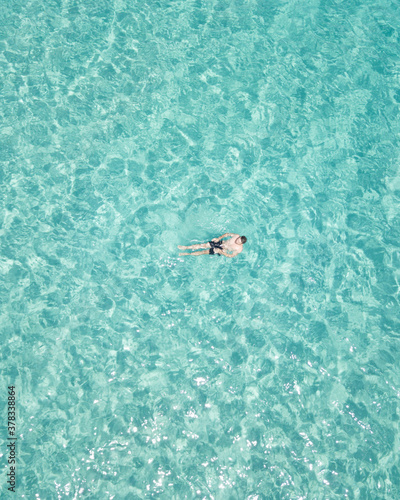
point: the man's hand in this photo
(228, 254)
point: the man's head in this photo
(241, 239)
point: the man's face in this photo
(238, 240)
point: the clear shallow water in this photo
(130, 128)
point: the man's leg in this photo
(204, 252)
(195, 247)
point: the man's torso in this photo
(231, 245)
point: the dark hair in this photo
(244, 239)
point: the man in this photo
(218, 247)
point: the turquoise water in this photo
(128, 128)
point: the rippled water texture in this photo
(128, 128)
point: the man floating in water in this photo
(218, 247)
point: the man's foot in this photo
(181, 247)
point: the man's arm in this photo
(230, 255)
(224, 236)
